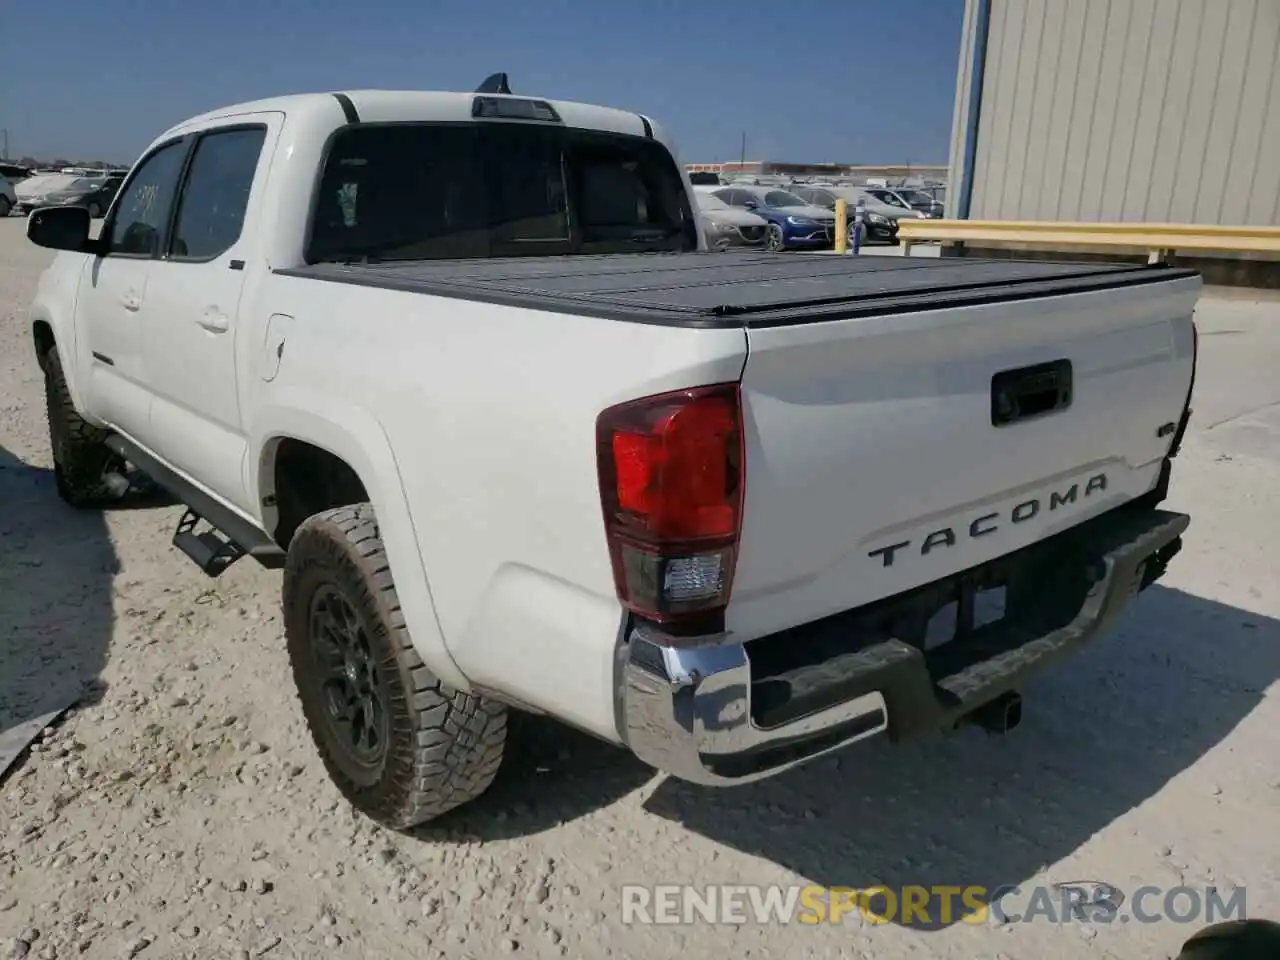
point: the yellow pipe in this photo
(842, 226)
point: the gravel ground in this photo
(179, 810)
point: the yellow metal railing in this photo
(1160, 240)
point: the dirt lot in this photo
(179, 810)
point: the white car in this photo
(727, 227)
(463, 366)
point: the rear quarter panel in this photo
(490, 415)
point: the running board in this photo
(232, 536)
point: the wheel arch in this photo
(324, 429)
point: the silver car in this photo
(727, 226)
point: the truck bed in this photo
(738, 289)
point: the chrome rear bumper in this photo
(687, 712)
(686, 705)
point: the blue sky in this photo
(865, 81)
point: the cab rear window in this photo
(410, 191)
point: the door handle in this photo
(214, 321)
(131, 301)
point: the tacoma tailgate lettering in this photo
(988, 522)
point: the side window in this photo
(215, 195)
(138, 223)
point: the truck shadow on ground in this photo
(56, 613)
(1100, 735)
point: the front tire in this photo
(5, 206)
(775, 241)
(398, 743)
(80, 457)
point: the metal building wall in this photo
(1152, 110)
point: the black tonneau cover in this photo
(738, 289)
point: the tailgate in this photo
(875, 463)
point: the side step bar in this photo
(232, 536)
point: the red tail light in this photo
(671, 484)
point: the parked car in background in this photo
(894, 198)
(878, 226)
(8, 197)
(793, 222)
(701, 178)
(93, 192)
(921, 200)
(14, 173)
(726, 226)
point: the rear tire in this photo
(775, 242)
(5, 206)
(80, 457)
(398, 743)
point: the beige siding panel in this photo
(1139, 28)
(1155, 81)
(1210, 188)
(1128, 110)
(1065, 35)
(1264, 193)
(1080, 148)
(1259, 73)
(996, 109)
(1102, 127)
(1024, 58)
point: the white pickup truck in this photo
(461, 364)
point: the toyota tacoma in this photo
(462, 366)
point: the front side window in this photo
(437, 191)
(215, 195)
(140, 218)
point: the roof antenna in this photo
(494, 83)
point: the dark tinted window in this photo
(216, 193)
(139, 220)
(429, 191)
(782, 198)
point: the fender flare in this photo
(64, 341)
(355, 436)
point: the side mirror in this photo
(59, 228)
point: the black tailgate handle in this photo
(1030, 392)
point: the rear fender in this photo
(356, 437)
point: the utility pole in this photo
(742, 154)
(4, 132)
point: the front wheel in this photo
(81, 458)
(397, 742)
(775, 241)
(5, 206)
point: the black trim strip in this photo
(348, 108)
(103, 358)
(648, 127)
(237, 264)
(777, 316)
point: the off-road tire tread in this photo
(82, 457)
(445, 745)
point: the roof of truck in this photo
(387, 105)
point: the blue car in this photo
(793, 222)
